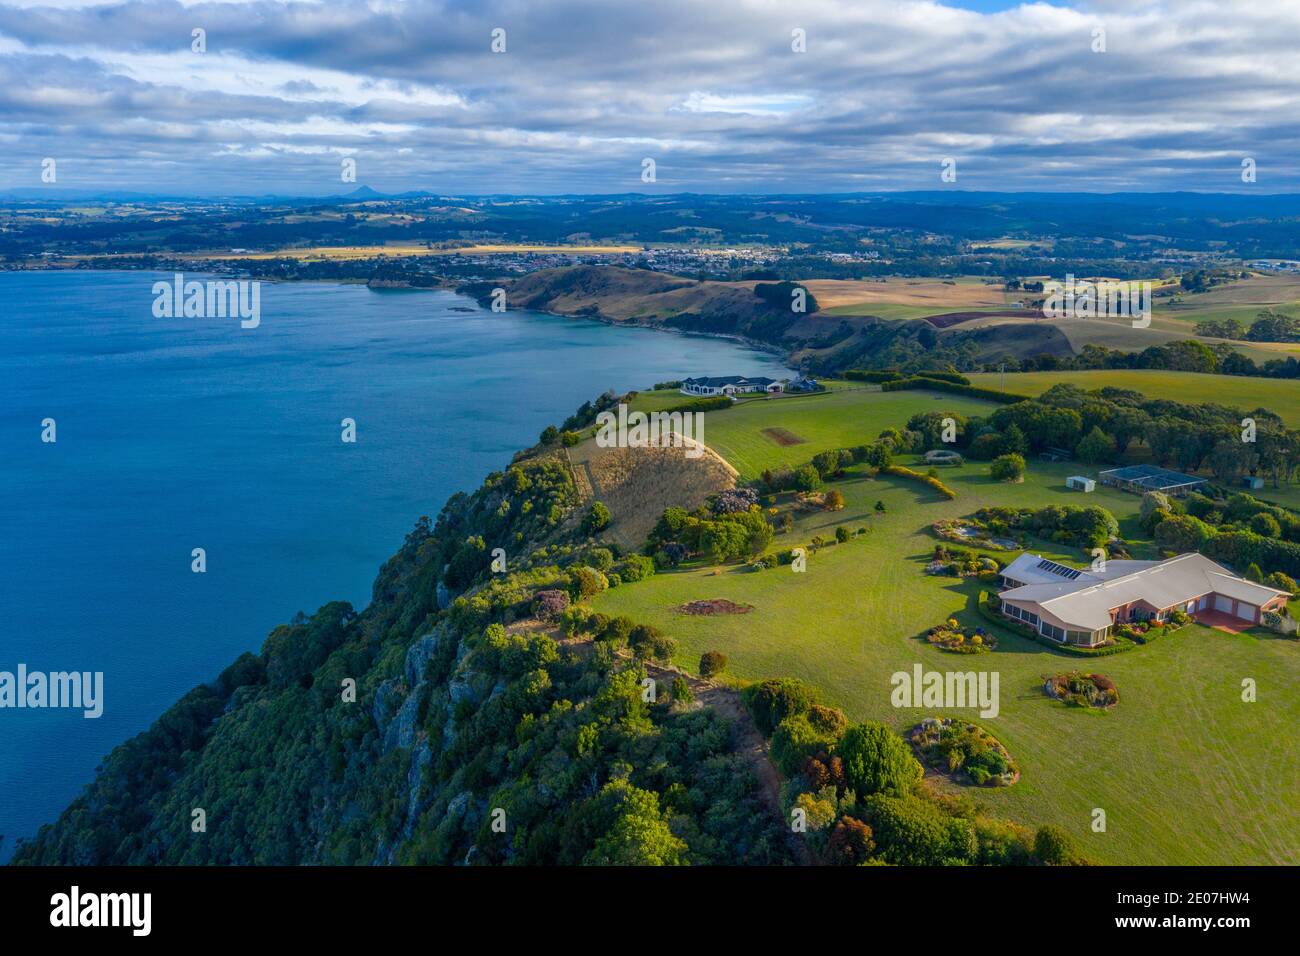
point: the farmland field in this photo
(837, 419)
(1279, 395)
(1186, 772)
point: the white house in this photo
(729, 385)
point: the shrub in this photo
(584, 582)
(597, 518)
(807, 479)
(712, 663)
(776, 698)
(549, 435)
(1283, 582)
(834, 501)
(650, 643)
(795, 740)
(636, 567)
(550, 604)
(876, 760)
(1008, 468)
(850, 843)
(682, 691)
(1054, 847)
(934, 483)
(569, 439)
(1265, 525)
(910, 831)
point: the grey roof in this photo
(1152, 477)
(1087, 601)
(718, 381)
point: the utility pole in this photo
(1002, 371)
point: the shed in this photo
(1253, 482)
(1080, 483)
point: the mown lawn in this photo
(1186, 772)
(1277, 395)
(839, 418)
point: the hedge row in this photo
(703, 405)
(864, 375)
(934, 483)
(942, 385)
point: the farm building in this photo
(1080, 483)
(729, 385)
(1076, 606)
(1144, 478)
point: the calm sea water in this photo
(175, 434)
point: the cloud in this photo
(586, 89)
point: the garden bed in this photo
(713, 606)
(974, 533)
(950, 637)
(1082, 690)
(965, 751)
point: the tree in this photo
(842, 534)
(795, 740)
(682, 691)
(1253, 573)
(910, 831)
(776, 698)
(1054, 847)
(637, 834)
(834, 500)
(876, 760)
(807, 479)
(1181, 533)
(850, 843)
(1152, 501)
(1096, 447)
(712, 663)
(880, 506)
(597, 518)
(1014, 441)
(549, 434)
(1008, 468)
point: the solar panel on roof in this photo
(1051, 567)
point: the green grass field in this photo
(1186, 772)
(1279, 395)
(1183, 768)
(839, 418)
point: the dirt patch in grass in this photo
(714, 606)
(784, 437)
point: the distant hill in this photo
(815, 340)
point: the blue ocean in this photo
(183, 433)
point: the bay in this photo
(183, 433)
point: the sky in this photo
(724, 96)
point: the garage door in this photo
(1222, 603)
(1246, 611)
